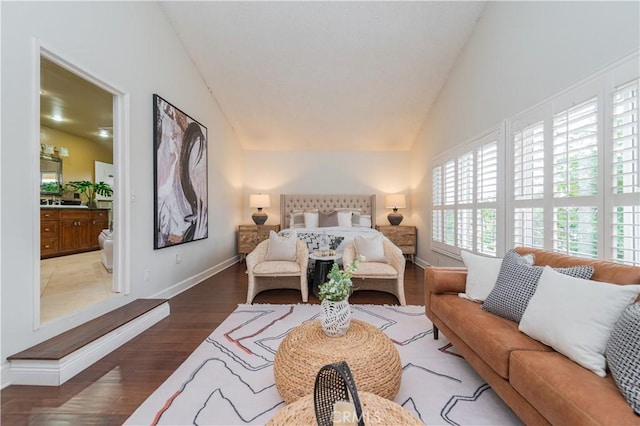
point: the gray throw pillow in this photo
(326, 220)
(517, 282)
(623, 355)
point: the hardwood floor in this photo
(109, 391)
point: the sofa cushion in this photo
(623, 355)
(493, 338)
(516, 284)
(566, 393)
(576, 316)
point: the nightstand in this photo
(250, 235)
(405, 237)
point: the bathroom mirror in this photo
(50, 175)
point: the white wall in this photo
(519, 54)
(276, 173)
(131, 46)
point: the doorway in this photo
(79, 264)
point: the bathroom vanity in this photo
(70, 229)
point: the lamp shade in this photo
(395, 201)
(259, 201)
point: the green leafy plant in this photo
(339, 287)
(89, 189)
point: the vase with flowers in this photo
(335, 316)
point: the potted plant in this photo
(334, 296)
(90, 190)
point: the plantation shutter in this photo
(436, 214)
(625, 174)
(528, 185)
(465, 201)
(575, 179)
(487, 197)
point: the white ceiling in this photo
(339, 76)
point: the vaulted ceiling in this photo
(313, 76)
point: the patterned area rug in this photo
(228, 379)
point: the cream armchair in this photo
(274, 274)
(387, 277)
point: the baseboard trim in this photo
(421, 263)
(186, 284)
(57, 372)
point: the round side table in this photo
(373, 359)
(321, 268)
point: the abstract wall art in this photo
(180, 176)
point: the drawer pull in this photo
(47, 246)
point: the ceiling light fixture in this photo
(57, 117)
(103, 133)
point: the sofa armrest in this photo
(445, 280)
(438, 280)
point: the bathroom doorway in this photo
(78, 246)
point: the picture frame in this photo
(180, 186)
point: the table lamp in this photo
(259, 201)
(395, 202)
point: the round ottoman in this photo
(375, 411)
(372, 357)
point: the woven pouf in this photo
(375, 411)
(373, 359)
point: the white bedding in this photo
(312, 235)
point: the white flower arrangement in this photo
(339, 287)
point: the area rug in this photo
(228, 379)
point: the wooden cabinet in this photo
(67, 231)
(405, 237)
(250, 235)
(49, 231)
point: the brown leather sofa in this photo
(540, 385)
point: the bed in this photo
(363, 213)
(355, 215)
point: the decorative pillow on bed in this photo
(356, 214)
(344, 218)
(370, 247)
(516, 284)
(297, 219)
(325, 220)
(575, 316)
(282, 247)
(311, 218)
(365, 221)
(622, 357)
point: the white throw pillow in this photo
(365, 220)
(576, 316)
(344, 218)
(282, 247)
(311, 219)
(370, 247)
(482, 273)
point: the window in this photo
(573, 159)
(625, 174)
(571, 168)
(465, 197)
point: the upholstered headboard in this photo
(325, 204)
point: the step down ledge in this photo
(39, 372)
